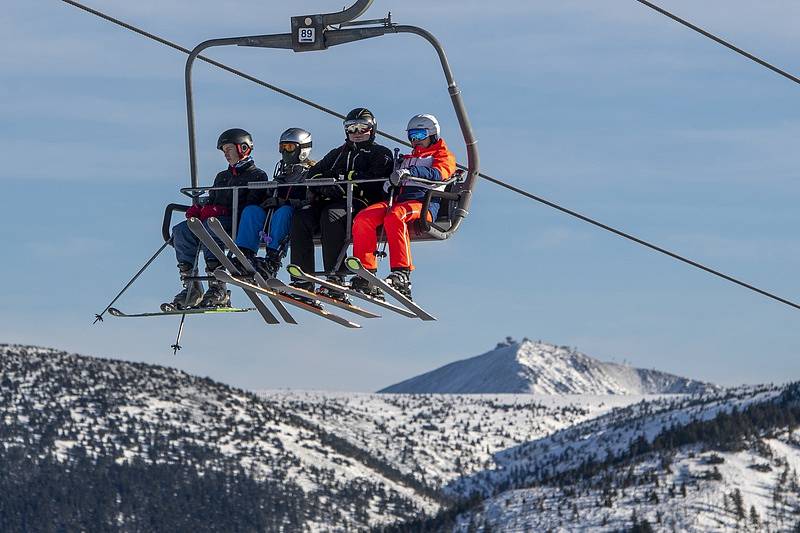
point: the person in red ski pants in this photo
(429, 159)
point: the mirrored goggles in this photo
(417, 134)
(287, 147)
(357, 127)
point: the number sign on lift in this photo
(306, 35)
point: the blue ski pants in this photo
(252, 224)
(186, 242)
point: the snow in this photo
(541, 368)
(505, 447)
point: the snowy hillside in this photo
(438, 439)
(134, 435)
(718, 463)
(541, 368)
(66, 406)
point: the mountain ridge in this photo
(131, 434)
(536, 367)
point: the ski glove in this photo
(333, 192)
(194, 211)
(217, 211)
(271, 203)
(397, 177)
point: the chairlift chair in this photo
(317, 33)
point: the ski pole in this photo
(99, 317)
(177, 346)
(381, 253)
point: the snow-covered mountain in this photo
(727, 461)
(536, 367)
(132, 436)
(90, 414)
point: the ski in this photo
(198, 229)
(354, 265)
(296, 272)
(219, 231)
(227, 278)
(280, 286)
(191, 311)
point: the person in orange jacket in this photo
(429, 159)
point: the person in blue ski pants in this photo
(271, 220)
(236, 145)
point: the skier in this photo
(430, 159)
(237, 146)
(359, 158)
(294, 146)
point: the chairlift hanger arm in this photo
(314, 32)
(347, 15)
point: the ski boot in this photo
(268, 267)
(306, 286)
(335, 294)
(361, 285)
(192, 292)
(271, 264)
(251, 258)
(216, 296)
(400, 280)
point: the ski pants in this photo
(331, 220)
(186, 242)
(395, 224)
(251, 225)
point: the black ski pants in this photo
(330, 219)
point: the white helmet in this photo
(301, 138)
(426, 122)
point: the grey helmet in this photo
(301, 138)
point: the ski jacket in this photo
(436, 162)
(287, 174)
(354, 162)
(240, 174)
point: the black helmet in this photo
(361, 115)
(238, 137)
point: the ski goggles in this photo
(287, 147)
(417, 134)
(357, 126)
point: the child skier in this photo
(279, 204)
(237, 146)
(430, 159)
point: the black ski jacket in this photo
(288, 174)
(238, 176)
(352, 162)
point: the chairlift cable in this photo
(721, 41)
(482, 175)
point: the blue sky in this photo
(604, 107)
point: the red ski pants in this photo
(395, 224)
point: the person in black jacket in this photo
(359, 158)
(269, 220)
(237, 146)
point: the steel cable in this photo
(482, 175)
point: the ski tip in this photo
(294, 270)
(114, 311)
(353, 263)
